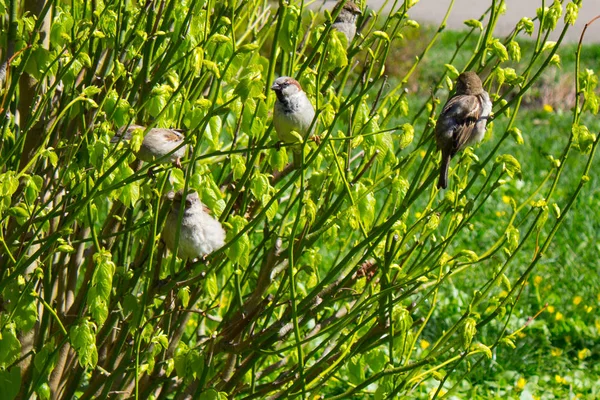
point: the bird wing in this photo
(466, 110)
(171, 135)
(125, 134)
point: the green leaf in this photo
(183, 295)
(210, 394)
(512, 238)
(212, 287)
(260, 186)
(467, 332)
(84, 342)
(516, 134)
(514, 50)
(288, 35)
(249, 88)
(509, 164)
(26, 312)
(91, 91)
(365, 202)
(526, 24)
(238, 166)
(336, 55)
(212, 67)
(481, 348)
(571, 14)
(43, 391)
(473, 23)
(213, 131)
(403, 321)
(499, 50)
(180, 358)
(452, 71)
(584, 139)
(47, 355)
(278, 158)
(10, 347)
(239, 249)
(381, 35)
(10, 382)
(407, 136)
(470, 255)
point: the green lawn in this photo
(556, 354)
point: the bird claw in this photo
(316, 138)
(151, 174)
(178, 163)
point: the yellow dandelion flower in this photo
(560, 379)
(559, 316)
(504, 293)
(556, 352)
(424, 344)
(521, 334)
(521, 383)
(418, 214)
(422, 153)
(548, 108)
(505, 199)
(550, 309)
(500, 213)
(588, 309)
(537, 280)
(584, 353)
(577, 300)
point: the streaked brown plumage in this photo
(462, 121)
(158, 142)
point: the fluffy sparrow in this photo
(346, 19)
(293, 112)
(462, 121)
(199, 233)
(157, 143)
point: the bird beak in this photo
(275, 87)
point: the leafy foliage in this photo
(336, 278)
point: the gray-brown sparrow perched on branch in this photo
(158, 142)
(293, 113)
(346, 19)
(199, 235)
(462, 121)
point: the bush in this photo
(338, 278)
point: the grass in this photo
(557, 353)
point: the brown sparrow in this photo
(293, 112)
(346, 19)
(199, 233)
(462, 121)
(157, 143)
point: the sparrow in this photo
(293, 112)
(346, 19)
(462, 121)
(199, 233)
(157, 143)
